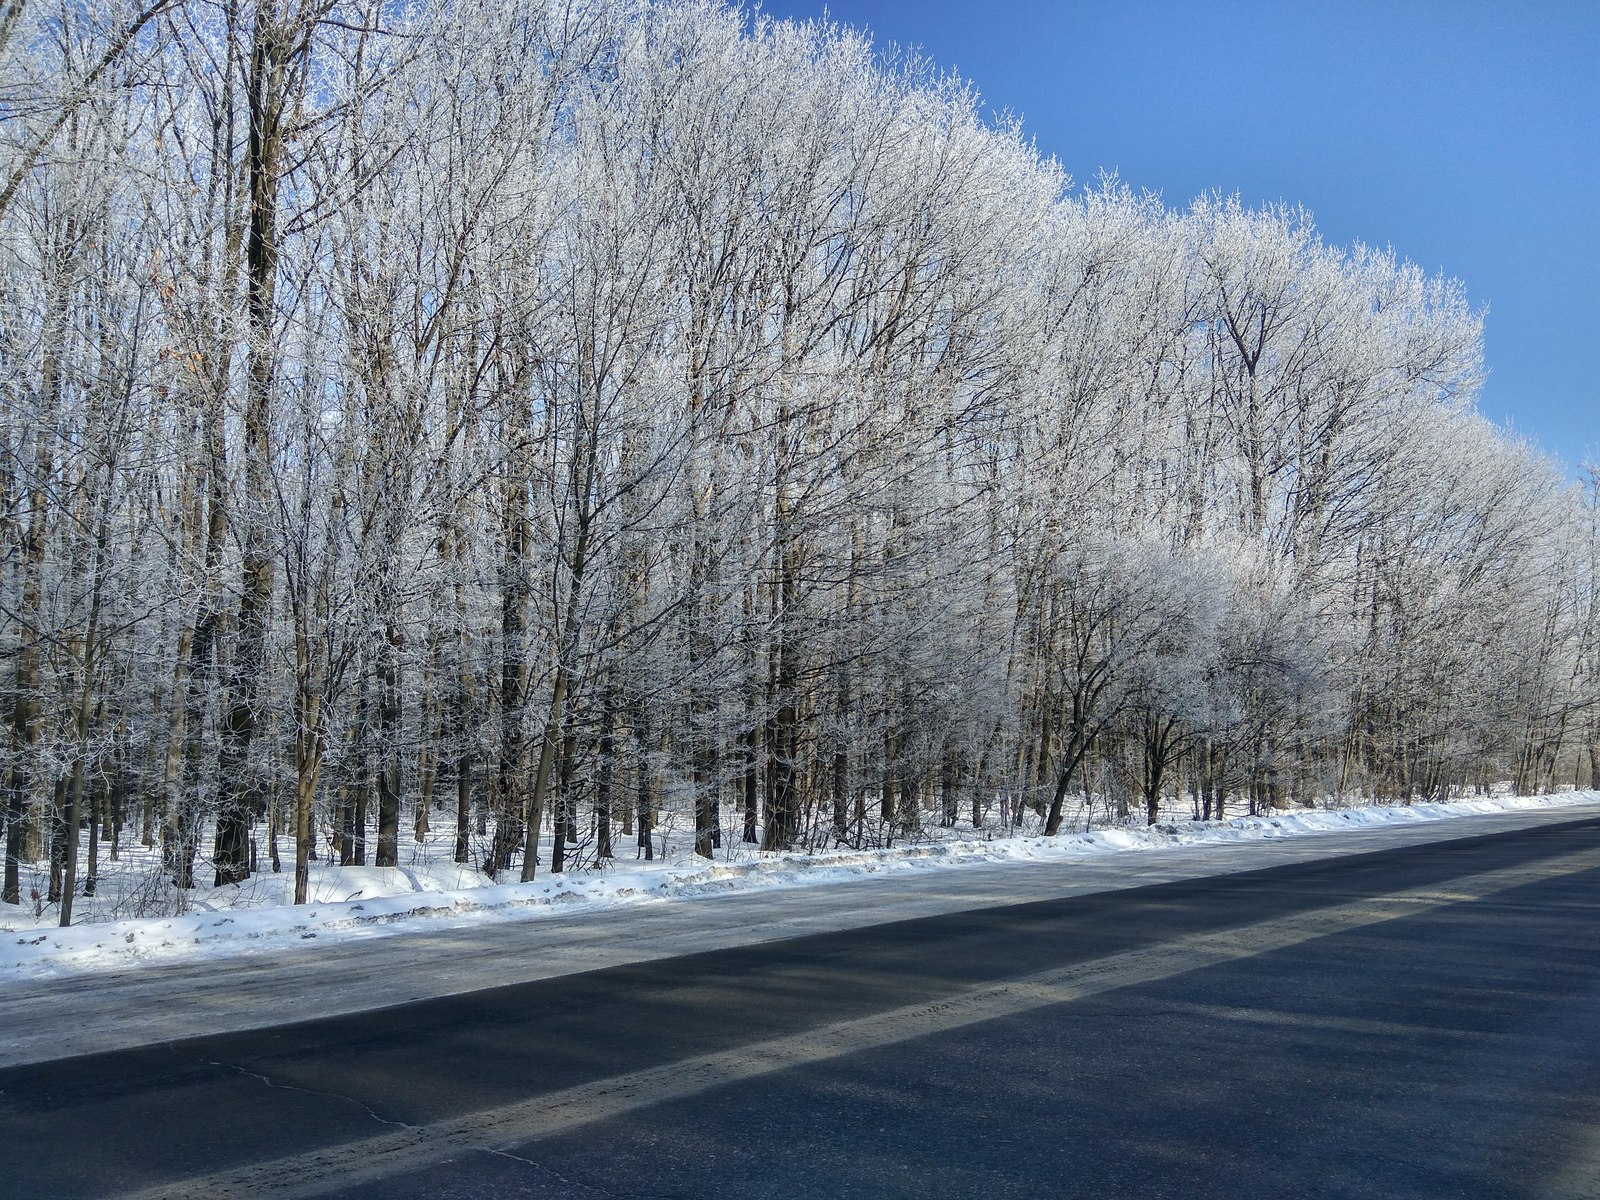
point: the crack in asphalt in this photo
(266, 1081)
(546, 1169)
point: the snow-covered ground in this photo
(433, 894)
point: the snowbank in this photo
(353, 903)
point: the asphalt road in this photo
(1418, 1022)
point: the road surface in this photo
(1417, 1021)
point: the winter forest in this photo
(549, 428)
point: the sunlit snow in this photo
(430, 892)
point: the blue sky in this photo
(1464, 133)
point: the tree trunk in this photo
(97, 809)
(558, 717)
(642, 798)
(387, 777)
(602, 787)
(886, 800)
(308, 754)
(26, 710)
(948, 798)
(273, 80)
(464, 767)
(752, 784)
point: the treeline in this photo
(513, 420)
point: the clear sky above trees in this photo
(1464, 133)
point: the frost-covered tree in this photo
(573, 429)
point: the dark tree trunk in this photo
(464, 769)
(752, 784)
(344, 837)
(387, 778)
(1052, 822)
(783, 807)
(602, 787)
(274, 78)
(841, 791)
(97, 810)
(510, 792)
(388, 849)
(949, 800)
(642, 799)
(58, 841)
(465, 765)
(16, 833)
(358, 838)
(886, 800)
(566, 809)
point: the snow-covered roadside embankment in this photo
(380, 902)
